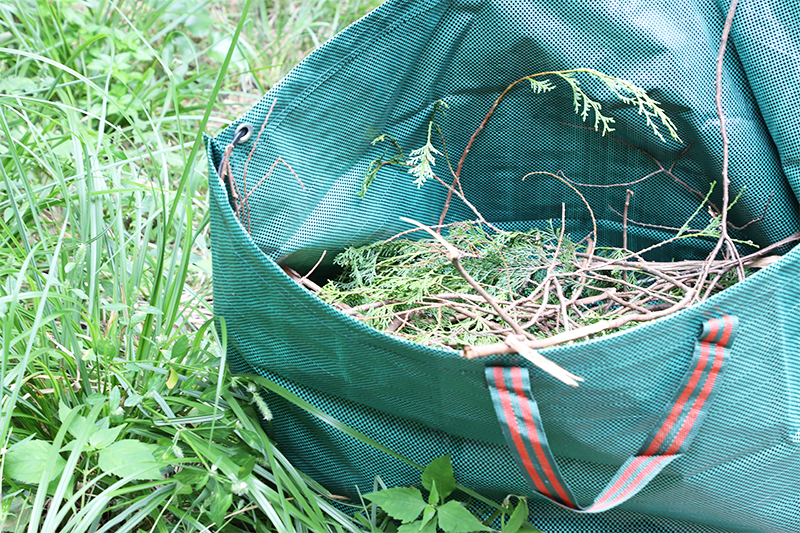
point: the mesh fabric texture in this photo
(382, 75)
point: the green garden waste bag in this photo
(690, 423)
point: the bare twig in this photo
(437, 227)
(724, 240)
(642, 224)
(568, 184)
(563, 304)
(245, 196)
(772, 247)
(449, 165)
(467, 203)
(304, 278)
(759, 219)
(542, 362)
(279, 160)
(628, 194)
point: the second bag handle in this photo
(519, 418)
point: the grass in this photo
(118, 412)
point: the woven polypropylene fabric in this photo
(382, 75)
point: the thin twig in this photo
(724, 239)
(437, 227)
(644, 225)
(245, 196)
(562, 303)
(628, 194)
(566, 182)
(279, 160)
(759, 219)
(468, 204)
(304, 278)
(447, 158)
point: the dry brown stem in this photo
(542, 362)
(628, 194)
(245, 196)
(463, 198)
(731, 251)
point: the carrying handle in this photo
(522, 426)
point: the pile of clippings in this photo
(545, 282)
(487, 292)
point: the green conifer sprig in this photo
(627, 92)
(421, 161)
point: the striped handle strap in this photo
(522, 426)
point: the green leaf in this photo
(180, 348)
(247, 467)
(129, 457)
(402, 503)
(453, 518)
(25, 461)
(440, 470)
(114, 397)
(411, 527)
(104, 438)
(183, 488)
(518, 517)
(433, 497)
(428, 520)
(76, 426)
(14, 513)
(220, 505)
(106, 348)
(133, 400)
(172, 380)
(94, 399)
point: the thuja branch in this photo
(626, 91)
(454, 255)
(420, 161)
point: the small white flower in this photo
(240, 488)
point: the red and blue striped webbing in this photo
(522, 426)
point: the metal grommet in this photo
(243, 132)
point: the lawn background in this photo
(118, 413)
